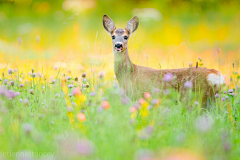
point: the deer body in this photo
(137, 80)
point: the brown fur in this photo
(137, 80)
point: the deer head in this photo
(120, 36)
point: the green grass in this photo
(112, 133)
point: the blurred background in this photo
(41, 34)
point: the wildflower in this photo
(68, 77)
(155, 101)
(26, 101)
(146, 133)
(93, 93)
(84, 75)
(226, 97)
(31, 91)
(17, 94)
(141, 101)
(230, 90)
(21, 100)
(28, 128)
(105, 104)
(166, 111)
(76, 91)
(188, 84)
(10, 71)
(21, 85)
(85, 147)
(76, 79)
(225, 92)
(3, 91)
(70, 86)
(5, 81)
(70, 95)
(168, 77)
(125, 100)
(53, 81)
(149, 107)
(56, 67)
(156, 90)
(231, 94)
(11, 83)
(15, 69)
(11, 94)
(223, 99)
(101, 74)
(217, 95)
(81, 117)
(147, 95)
(34, 75)
(203, 123)
(132, 109)
(196, 103)
(0, 79)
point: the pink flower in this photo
(168, 77)
(188, 84)
(217, 95)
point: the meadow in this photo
(59, 98)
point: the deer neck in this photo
(122, 66)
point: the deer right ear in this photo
(108, 24)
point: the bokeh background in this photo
(41, 34)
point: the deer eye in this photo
(125, 37)
(113, 37)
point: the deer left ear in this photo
(132, 25)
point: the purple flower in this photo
(84, 74)
(70, 86)
(17, 94)
(5, 81)
(27, 127)
(125, 100)
(230, 90)
(231, 94)
(11, 94)
(34, 75)
(55, 67)
(204, 123)
(196, 103)
(31, 91)
(101, 74)
(21, 85)
(20, 100)
(226, 97)
(225, 92)
(68, 77)
(84, 80)
(93, 93)
(11, 83)
(223, 99)
(10, 71)
(217, 95)
(188, 84)
(155, 101)
(39, 75)
(84, 147)
(168, 77)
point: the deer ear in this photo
(108, 24)
(132, 25)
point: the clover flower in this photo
(188, 84)
(10, 71)
(21, 85)
(217, 95)
(168, 77)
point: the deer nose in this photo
(118, 45)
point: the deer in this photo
(136, 79)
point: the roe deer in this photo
(136, 80)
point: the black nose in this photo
(118, 45)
